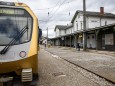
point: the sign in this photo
(6, 11)
(11, 11)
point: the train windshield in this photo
(12, 21)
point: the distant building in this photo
(100, 31)
(60, 30)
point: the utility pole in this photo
(84, 27)
(47, 35)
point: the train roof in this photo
(2, 3)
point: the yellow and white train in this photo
(18, 41)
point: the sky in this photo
(60, 12)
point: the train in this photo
(18, 42)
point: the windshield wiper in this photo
(13, 41)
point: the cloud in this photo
(50, 33)
(59, 13)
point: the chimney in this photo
(102, 11)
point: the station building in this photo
(100, 30)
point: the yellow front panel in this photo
(17, 66)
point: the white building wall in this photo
(62, 32)
(91, 42)
(93, 22)
(74, 26)
(68, 31)
(57, 32)
(78, 22)
(72, 29)
(56, 42)
(108, 21)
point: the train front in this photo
(18, 41)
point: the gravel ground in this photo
(54, 71)
(91, 76)
(101, 64)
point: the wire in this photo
(52, 10)
(55, 11)
(56, 14)
(56, 5)
(49, 7)
(53, 6)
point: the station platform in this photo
(101, 63)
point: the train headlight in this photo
(22, 54)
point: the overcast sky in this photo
(59, 11)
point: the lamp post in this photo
(84, 27)
(47, 35)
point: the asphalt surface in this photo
(101, 64)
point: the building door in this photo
(103, 41)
